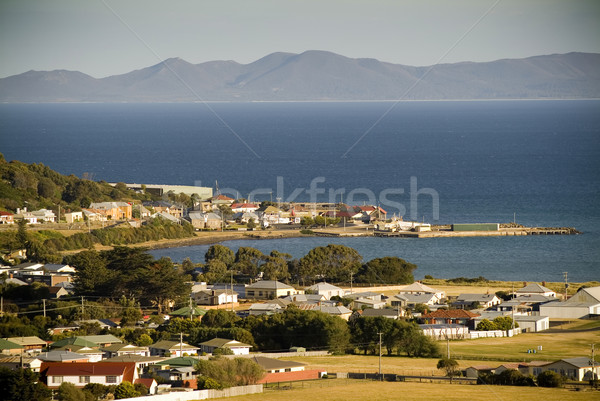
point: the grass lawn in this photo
(354, 390)
(567, 344)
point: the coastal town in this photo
(210, 315)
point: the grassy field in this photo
(354, 390)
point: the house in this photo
(585, 302)
(180, 377)
(333, 310)
(244, 207)
(237, 347)
(532, 324)
(23, 214)
(74, 343)
(476, 370)
(162, 208)
(466, 301)
(94, 215)
(300, 299)
(373, 296)
(103, 340)
(113, 210)
(215, 297)
(362, 303)
(326, 289)
(265, 309)
(272, 365)
(412, 300)
(82, 373)
(30, 344)
(18, 362)
(525, 304)
(284, 371)
(418, 288)
(8, 347)
(172, 348)
(58, 268)
(269, 289)
(387, 312)
(221, 200)
(62, 356)
(445, 331)
(149, 383)
(44, 216)
(115, 350)
(57, 292)
(536, 289)
(201, 221)
(452, 316)
(73, 217)
(141, 362)
(578, 369)
(7, 217)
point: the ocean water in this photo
(443, 162)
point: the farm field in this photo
(354, 390)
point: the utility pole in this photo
(44, 302)
(594, 375)
(565, 274)
(82, 309)
(448, 346)
(380, 377)
(351, 278)
(231, 292)
(180, 344)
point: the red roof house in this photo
(82, 373)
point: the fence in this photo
(392, 377)
(493, 333)
(202, 394)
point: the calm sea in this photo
(442, 162)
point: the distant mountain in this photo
(317, 75)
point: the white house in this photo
(215, 297)
(417, 288)
(73, 217)
(326, 289)
(237, 347)
(484, 300)
(269, 289)
(82, 373)
(172, 348)
(574, 368)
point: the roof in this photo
(418, 287)
(594, 292)
(476, 297)
(134, 358)
(269, 285)
(146, 382)
(224, 342)
(61, 356)
(103, 339)
(451, 314)
(417, 298)
(186, 311)
(31, 340)
(323, 287)
(79, 341)
(171, 345)
(123, 347)
(579, 362)
(179, 361)
(272, 364)
(534, 288)
(7, 344)
(366, 294)
(380, 312)
(125, 369)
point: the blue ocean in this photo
(535, 162)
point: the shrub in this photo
(550, 379)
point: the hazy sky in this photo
(107, 37)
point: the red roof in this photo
(146, 382)
(450, 314)
(222, 197)
(125, 369)
(5, 213)
(244, 205)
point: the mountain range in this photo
(317, 76)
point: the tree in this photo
(504, 323)
(387, 270)
(68, 392)
(275, 268)
(144, 340)
(92, 277)
(549, 378)
(22, 236)
(215, 270)
(334, 262)
(307, 221)
(449, 365)
(96, 391)
(219, 318)
(248, 260)
(486, 325)
(251, 224)
(125, 390)
(225, 372)
(22, 385)
(220, 252)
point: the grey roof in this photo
(365, 294)
(323, 287)
(418, 287)
(381, 312)
(275, 364)
(419, 298)
(580, 362)
(475, 297)
(534, 288)
(269, 285)
(224, 342)
(60, 356)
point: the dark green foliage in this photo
(332, 262)
(220, 318)
(225, 372)
(387, 270)
(68, 392)
(504, 323)
(294, 327)
(504, 295)
(486, 325)
(248, 260)
(450, 366)
(509, 377)
(201, 334)
(550, 379)
(22, 385)
(206, 383)
(465, 280)
(96, 391)
(125, 390)
(221, 253)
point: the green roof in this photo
(179, 361)
(5, 344)
(80, 341)
(185, 312)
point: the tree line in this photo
(334, 263)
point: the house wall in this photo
(75, 380)
(290, 376)
(569, 370)
(564, 312)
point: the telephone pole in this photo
(44, 302)
(566, 274)
(380, 376)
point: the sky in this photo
(109, 37)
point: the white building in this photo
(585, 303)
(326, 289)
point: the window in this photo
(57, 379)
(84, 379)
(111, 379)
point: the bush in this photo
(307, 232)
(550, 379)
